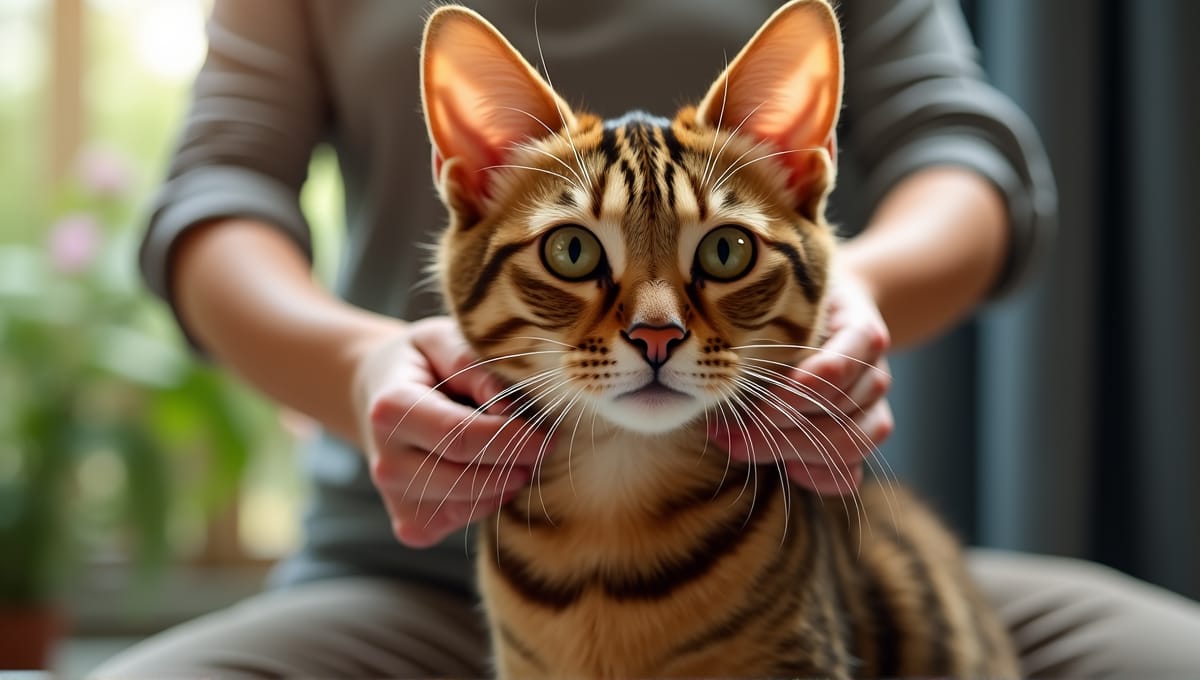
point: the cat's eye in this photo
(726, 253)
(572, 253)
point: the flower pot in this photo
(28, 636)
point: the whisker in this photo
(595, 412)
(741, 423)
(460, 427)
(776, 452)
(541, 339)
(733, 171)
(802, 425)
(861, 441)
(872, 457)
(507, 465)
(522, 435)
(537, 36)
(540, 458)
(721, 407)
(720, 119)
(516, 166)
(482, 362)
(578, 184)
(828, 407)
(524, 431)
(811, 348)
(748, 116)
(571, 449)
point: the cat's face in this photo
(647, 270)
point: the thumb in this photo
(456, 367)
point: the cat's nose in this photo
(655, 342)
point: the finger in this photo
(872, 386)
(833, 370)
(427, 526)
(825, 480)
(431, 421)
(814, 440)
(791, 395)
(417, 476)
(456, 367)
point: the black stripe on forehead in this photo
(609, 144)
(674, 147)
(647, 154)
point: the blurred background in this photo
(139, 488)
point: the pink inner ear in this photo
(786, 85)
(481, 96)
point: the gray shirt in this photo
(283, 76)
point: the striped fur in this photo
(640, 549)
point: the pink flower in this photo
(74, 243)
(104, 171)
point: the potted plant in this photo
(97, 400)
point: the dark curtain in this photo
(1066, 419)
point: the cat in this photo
(633, 279)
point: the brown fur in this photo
(640, 550)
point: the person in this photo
(950, 179)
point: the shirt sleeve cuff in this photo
(1030, 202)
(208, 193)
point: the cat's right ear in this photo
(481, 98)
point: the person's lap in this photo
(338, 628)
(1071, 618)
(1068, 618)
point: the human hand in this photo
(824, 417)
(438, 465)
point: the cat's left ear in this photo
(785, 88)
(481, 98)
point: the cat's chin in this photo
(653, 409)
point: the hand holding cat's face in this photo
(437, 463)
(841, 391)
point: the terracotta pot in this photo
(28, 636)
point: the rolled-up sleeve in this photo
(258, 109)
(916, 97)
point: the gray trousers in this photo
(1069, 619)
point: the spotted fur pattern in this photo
(640, 549)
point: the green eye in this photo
(726, 253)
(572, 252)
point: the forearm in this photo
(932, 251)
(246, 293)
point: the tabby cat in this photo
(633, 279)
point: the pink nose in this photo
(656, 342)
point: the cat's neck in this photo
(602, 470)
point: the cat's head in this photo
(639, 268)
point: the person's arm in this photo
(961, 193)
(247, 294)
(934, 249)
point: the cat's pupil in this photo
(574, 249)
(723, 250)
